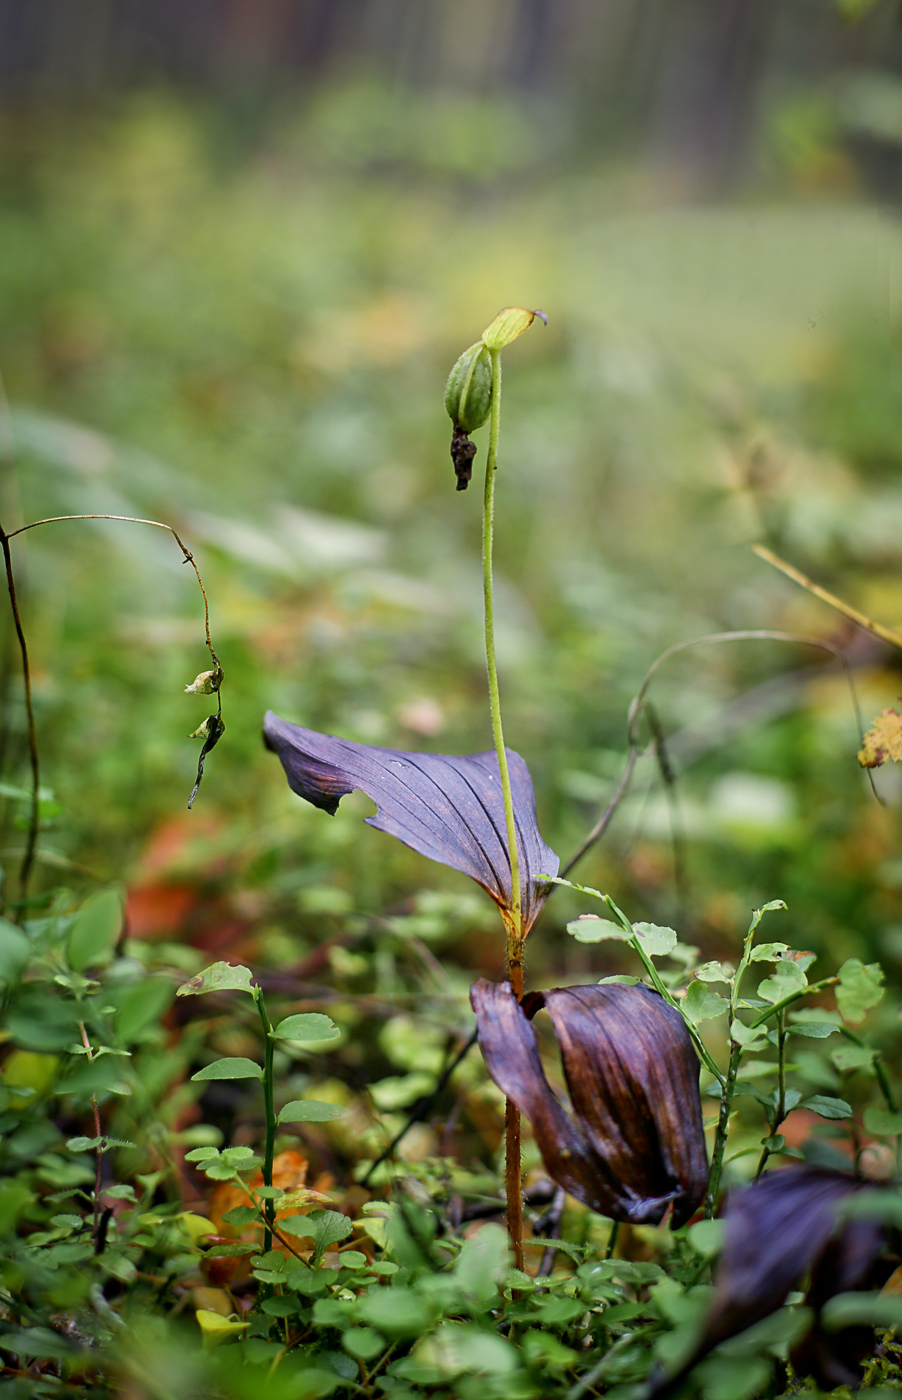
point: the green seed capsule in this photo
(468, 393)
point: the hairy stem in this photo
(269, 1209)
(514, 923)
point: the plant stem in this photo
(720, 1136)
(728, 1085)
(780, 1109)
(32, 837)
(269, 1209)
(514, 920)
(488, 529)
(97, 1133)
(780, 1006)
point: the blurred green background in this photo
(241, 249)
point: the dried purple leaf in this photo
(447, 807)
(635, 1143)
(778, 1231)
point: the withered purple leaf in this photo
(447, 807)
(777, 1231)
(780, 1230)
(635, 1143)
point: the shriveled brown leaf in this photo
(883, 740)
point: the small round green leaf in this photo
(363, 1342)
(308, 1026)
(588, 928)
(234, 1067)
(218, 977)
(309, 1111)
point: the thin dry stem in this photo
(34, 817)
(158, 525)
(886, 634)
(33, 820)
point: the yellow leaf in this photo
(216, 1328)
(883, 740)
(508, 324)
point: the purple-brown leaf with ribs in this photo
(779, 1230)
(447, 807)
(634, 1143)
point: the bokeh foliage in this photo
(244, 329)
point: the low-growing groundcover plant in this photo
(152, 1248)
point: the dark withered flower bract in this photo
(448, 807)
(778, 1231)
(781, 1230)
(634, 1143)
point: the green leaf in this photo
(281, 1307)
(363, 1342)
(589, 928)
(619, 979)
(219, 1170)
(859, 989)
(219, 977)
(95, 931)
(37, 1342)
(308, 1026)
(480, 1267)
(765, 909)
(233, 1067)
(398, 1311)
(871, 1309)
(846, 1057)
(201, 1154)
(123, 1192)
(15, 948)
(141, 1007)
(701, 1005)
(785, 982)
(309, 1111)
(240, 1156)
(656, 940)
(826, 1107)
(745, 1036)
(67, 1222)
(713, 972)
(241, 1215)
(706, 1237)
(324, 1227)
(768, 952)
(814, 1030)
(881, 1122)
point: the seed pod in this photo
(468, 393)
